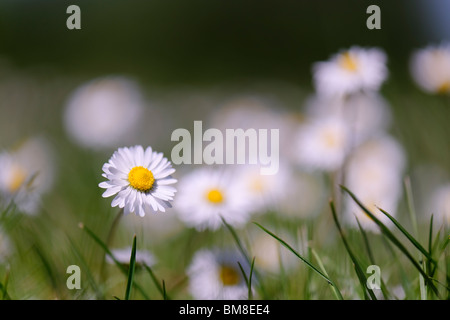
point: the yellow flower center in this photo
(17, 179)
(348, 62)
(141, 179)
(229, 276)
(444, 87)
(330, 139)
(215, 196)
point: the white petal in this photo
(111, 191)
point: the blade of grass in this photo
(409, 236)
(243, 272)
(358, 269)
(321, 266)
(309, 264)
(250, 291)
(164, 290)
(87, 271)
(245, 254)
(371, 258)
(109, 253)
(131, 270)
(5, 295)
(393, 239)
(157, 283)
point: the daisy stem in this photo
(109, 239)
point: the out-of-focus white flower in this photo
(206, 195)
(104, 112)
(143, 257)
(430, 68)
(5, 246)
(440, 204)
(365, 114)
(305, 197)
(215, 275)
(374, 175)
(26, 174)
(141, 179)
(322, 144)
(350, 71)
(265, 192)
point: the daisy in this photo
(265, 191)
(26, 173)
(430, 68)
(104, 112)
(440, 202)
(322, 144)
(374, 175)
(140, 178)
(143, 258)
(206, 195)
(215, 275)
(351, 71)
(366, 114)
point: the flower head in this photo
(347, 72)
(103, 112)
(26, 174)
(207, 195)
(215, 275)
(140, 178)
(322, 144)
(430, 68)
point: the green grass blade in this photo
(116, 262)
(4, 287)
(336, 291)
(157, 283)
(385, 230)
(243, 272)
(371, 257)
(309, 264)
(164, 290)
(409, 236)
(358, 269)
(131, 270)
(87, 271)
(250, 291)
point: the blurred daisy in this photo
(215, 275)
(140, 178)
(143, 258)
(322, 144)
(350, 71)
(104, 112)
(430, 68)
(26, 174)
(265, 191)
(206, 195)
(5, 246)
(440, 204)
(374, 174)
(366, 114)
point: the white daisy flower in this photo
(322, 144)
(374, 175)
(26, 174)
(265, 191)
(366, 114)
(430, 68)
(215, 275)
(206, 195)
(350, 71)
(5, 246)
(141, 179)
(104, 112)
(440, 204)
(123, 255)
